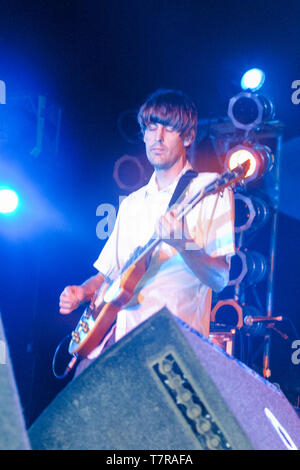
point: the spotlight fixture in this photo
(256, 267)
(253, 79)
(129, 173)
(8, 201)
(128, 126)
(249, 110)
(260, 156)
(238, 268)
(227, 312)
(250, 212)
(247, 266)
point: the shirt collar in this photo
(152, 188)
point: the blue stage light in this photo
(8, 200)
(253, 80)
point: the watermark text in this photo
(296, 354)
(296, 94)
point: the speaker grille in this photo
(189, 403)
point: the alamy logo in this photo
(296, 353)
(2, 352)
(296, 94)
(108, 214)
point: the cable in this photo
(71, 363)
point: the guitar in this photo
(100, 315)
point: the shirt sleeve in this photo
(211, 222)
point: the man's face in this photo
(164, 146)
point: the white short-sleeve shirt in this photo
(168, 281)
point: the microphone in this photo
(249, 320)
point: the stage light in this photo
(238, 268)
(129, 173)
(128, 127)
(227, 312)
(253, 79)
(250, 212)
(256, 267)
(260, 156)
(247, 266)
(249, 110)
(8, 200)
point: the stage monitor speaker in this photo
(13, 434)
(164, 387)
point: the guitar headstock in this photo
(233, 178)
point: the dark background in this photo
(94, 61)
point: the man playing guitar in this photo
(193, 256)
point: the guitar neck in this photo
(218, 185)
(140, 252)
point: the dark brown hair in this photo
(169, 108)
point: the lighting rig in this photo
(246, 304)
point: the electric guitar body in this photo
(100, 315)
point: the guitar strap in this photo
(182, 184)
